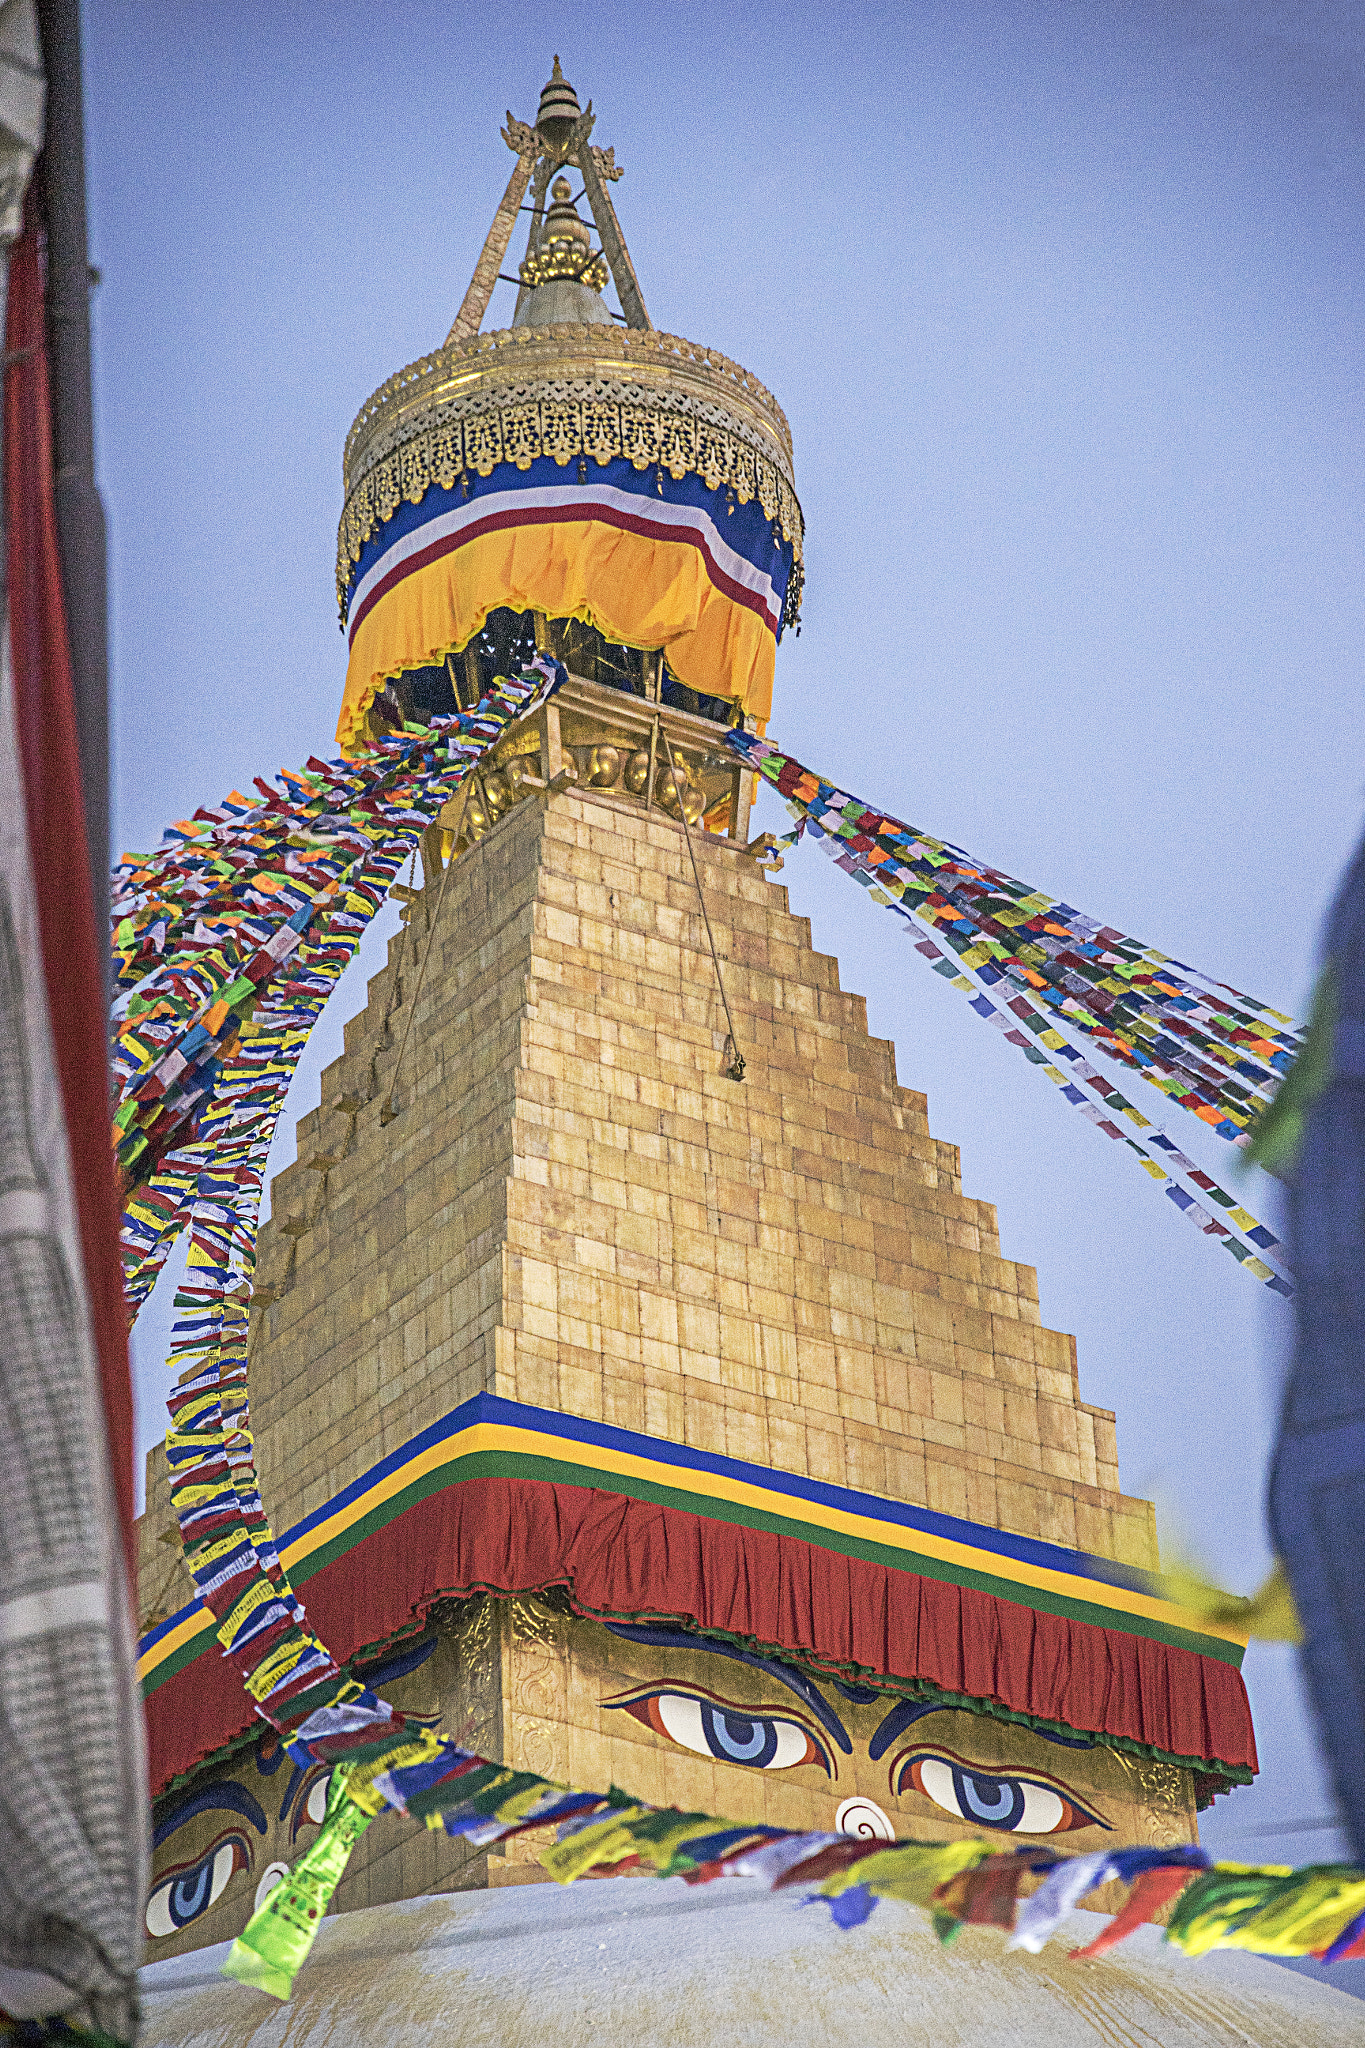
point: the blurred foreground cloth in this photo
(73, 1801)
(1317, 1484)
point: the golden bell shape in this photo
(603, 766)
(637, 773)
(678, 793)
(497, 791)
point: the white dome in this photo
(618, 1963)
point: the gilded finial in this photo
(564, 251)
(559, 108)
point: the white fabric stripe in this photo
(23, 1213)
(579, 498)
(43, 1614)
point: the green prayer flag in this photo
(1278, 1131)
(273, 1946)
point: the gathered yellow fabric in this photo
(642, 592)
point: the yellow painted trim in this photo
(597, 1459)
(200, 1622)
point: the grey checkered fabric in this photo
(72, 1793)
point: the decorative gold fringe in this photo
(565, 428)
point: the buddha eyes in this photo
(185, 1891)
(732, 1735)
(311, 1805)
(1024, 1806)
(182, 1895)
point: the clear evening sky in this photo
(1064, 303)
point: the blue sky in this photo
(1064, 302)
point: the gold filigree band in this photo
(564, 428)
(573, 393)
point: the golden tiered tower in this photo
(643, 1228)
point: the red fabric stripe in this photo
(1153, 1890)
(559, 515)
(45, 712)
(628, 1560)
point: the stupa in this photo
(638, 1394)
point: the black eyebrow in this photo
(899, 1719)
(398, 1665)
(787, 1674)
(906, 1711)
(226, 1798)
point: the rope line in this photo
(735, 1069)
(388, 1112)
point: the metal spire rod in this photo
(545, 170)
(608, 227)
(521, 137)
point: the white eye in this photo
(936, 1781)
(273, 1874)
(1044, 1810)
(316, 1808)
(681, 1717)
(793, 1746)
(766, 1742)
(189, 1893)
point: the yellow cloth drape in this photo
(640, 591)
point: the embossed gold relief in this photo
(533, 1622)
(1164, 1797)
(572, 393)
(647, 436)
(540, 1747)
(603, 766)
(564, 249)
(677, 791)
(596, 755)
(527, 353)
(617, 767)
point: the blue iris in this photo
(996, 1802)
(190, 1892)
(735, 1738)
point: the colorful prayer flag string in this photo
(230, 940)
(1028, 963)
(1026, 1892)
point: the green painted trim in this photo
(504, 1464)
